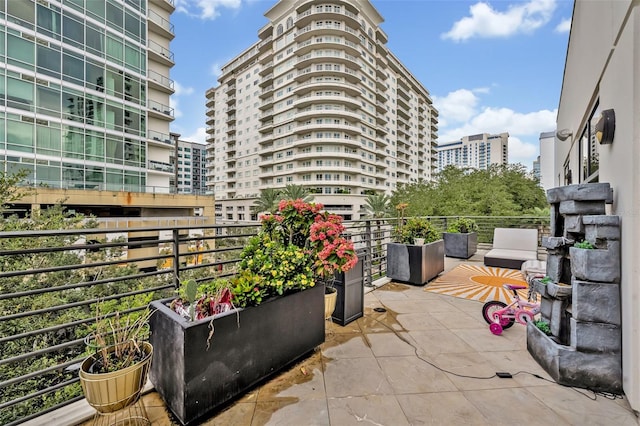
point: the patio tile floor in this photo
(407, 366)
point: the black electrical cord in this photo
(415, 350)
(607, 395)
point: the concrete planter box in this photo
(460, 245)
(246, 348)
(415, 264)
(595, 264)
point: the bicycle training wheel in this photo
(489, 314)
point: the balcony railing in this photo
(50, 282)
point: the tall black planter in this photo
(244, 350)
(460, 245)
(415, 264)
(350, 300)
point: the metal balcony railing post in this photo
(368, 255)
(176, 257)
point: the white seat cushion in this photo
(512, 254)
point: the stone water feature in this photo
(582, 301)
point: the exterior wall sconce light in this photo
(564, 134)
(606, 126)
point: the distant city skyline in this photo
(490, 67)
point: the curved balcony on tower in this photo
(316, 29)
(313, 57)
(312, 85)
(349, 101)
(327, 42)
(312, 112)
(328, 69)
(335, 10)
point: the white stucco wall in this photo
(603, 61)
(547, 162)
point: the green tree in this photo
(377, 205)
(10, 191)
(268, 201)
(506, 190)
(55, 309)
(294, 192)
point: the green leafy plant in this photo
(247, 289)
(416, 228)
(545, 280)
(543, 326)
(584, 244)
(295, 247)
(463, 225)
(280, 268)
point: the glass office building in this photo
(84, 92)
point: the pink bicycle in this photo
(501, 316)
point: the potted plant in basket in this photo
(202, 364)
(411, 263)
(461, 238)
(113, 375)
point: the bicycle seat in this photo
(514, 286)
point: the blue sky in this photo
(490, 66)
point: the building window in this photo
(589, 155)
(567, 173)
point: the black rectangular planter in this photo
(415, 264)
(244, 350)
(460, 245)
(350, 299)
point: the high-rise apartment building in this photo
(85, 93)
(547, 159)
(318, 101)
(475, 151)
(535, 171)
(189, 166)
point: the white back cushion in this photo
(515, 239)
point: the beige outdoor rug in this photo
(478, 282)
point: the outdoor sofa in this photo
(512, 247)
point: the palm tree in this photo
(377, 206)
(268, 201)
(293, 192)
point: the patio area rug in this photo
(478, 282)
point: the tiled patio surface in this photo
(426, 360)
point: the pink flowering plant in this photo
(334, 253)
(295, 247)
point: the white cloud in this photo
(216, 70)
(564, 26)
(174, 103)
(521, 152)
(458, 106)
(488, 23)
(462, 115)
(181, 90)
(200, 136)
(206, 9)
(498, 120)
